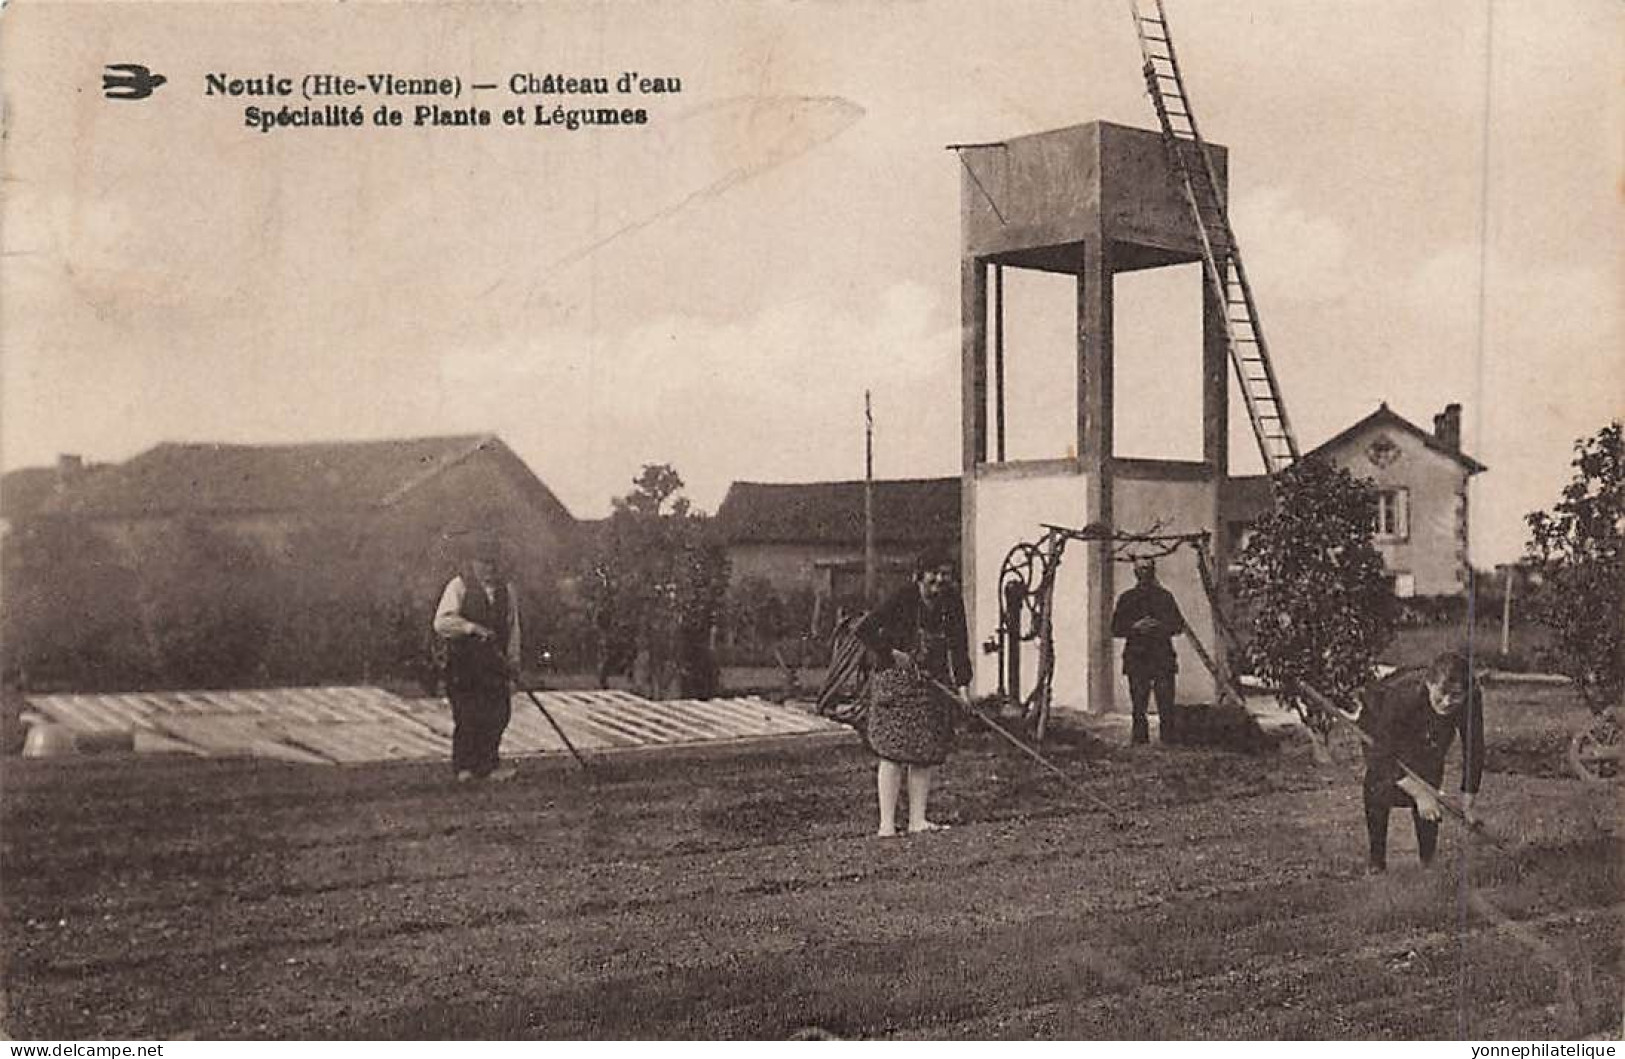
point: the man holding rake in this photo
(1412, 717)
(478, 618)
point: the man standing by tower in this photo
(478, 618)
(1147, 619)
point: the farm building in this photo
(234, 563)
(24, 491)
(809, 537)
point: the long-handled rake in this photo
(562, 737)
(1228, 690)
(1118, 821)
(1349, 721)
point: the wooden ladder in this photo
(1221, 257)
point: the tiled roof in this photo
(907, 511)
(213, 478)
(1385, 416)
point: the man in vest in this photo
(1147, 619)
(478, 618)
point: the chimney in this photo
(68, 469)
(1447, 427)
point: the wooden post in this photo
(868, 502)
(1506, 615)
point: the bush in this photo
(654, 585)
(1315, 586)
(1578, 549)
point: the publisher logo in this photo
(129, 81)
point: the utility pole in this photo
(868, 502)
(1506, 615)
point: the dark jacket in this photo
(935, 634)
(1148, 653)
(1403, 725)
(472, 662)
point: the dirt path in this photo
(738, 895)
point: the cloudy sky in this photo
(1428, 195)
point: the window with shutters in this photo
(1393, 515)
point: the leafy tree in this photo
(1578, 548)
(701, 589)
(202, 606)
(1320, 602)
(66, 620)
(756, 614)
(655, 581)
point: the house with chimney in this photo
(1422, 482)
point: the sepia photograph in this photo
(812, 520)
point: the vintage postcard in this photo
(816, 519)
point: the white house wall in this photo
(1435, 552)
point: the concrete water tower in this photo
(1087, 202)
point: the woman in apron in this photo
(917, 639)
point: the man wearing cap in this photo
(1147, 619)
(478, 618)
